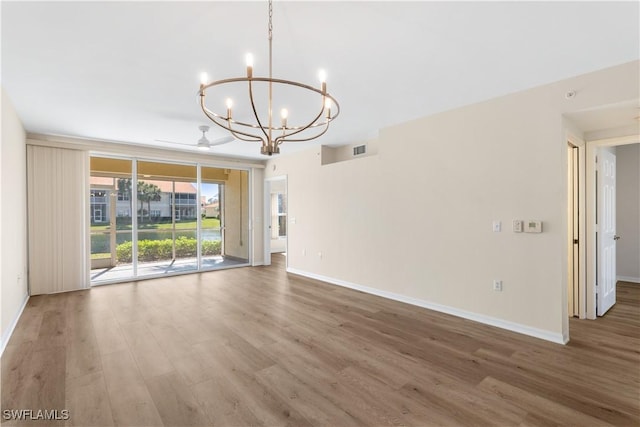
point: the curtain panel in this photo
(57, 188)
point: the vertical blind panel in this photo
(57, 198)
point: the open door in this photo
(573, 244)
(606, 232)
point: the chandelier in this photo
(261, 127)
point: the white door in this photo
(267, 222)
(574, 232)
(606, 223)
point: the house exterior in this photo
(184, 194)
(210, 208)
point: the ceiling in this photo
(129, 71)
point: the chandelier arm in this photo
(303, 128)
(279, 140)
(314, 124)
(215, 117)
(267, 80)
(237, 135)
(255, 113)
(264, 79)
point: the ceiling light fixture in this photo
(269, 134)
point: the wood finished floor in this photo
(256, 346)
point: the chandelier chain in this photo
(270, 19)
(270, 128)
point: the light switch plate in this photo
(533, 226)
(497, 226)
(517, 226)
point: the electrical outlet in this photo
(497, 226)
(497, 285)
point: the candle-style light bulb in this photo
(284, 113)
(204, 78)
(249, 59)
(229, 105)
(322, 75)
(327, 106)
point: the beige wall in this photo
(13, 218)
(414, 222)
(628, 211)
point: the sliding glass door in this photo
(167, 218)
(224, 237)
(235, 217)
(156, 218)
(110, 219)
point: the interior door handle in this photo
(616, 237)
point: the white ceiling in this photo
(129, 71)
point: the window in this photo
(124, 212)
(123, 196)
(155, 213)
(98, 196)
(185, 199)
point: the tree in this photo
(124, 186)
(148, 193)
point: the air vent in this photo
(359, 150)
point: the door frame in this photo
(576, 222)
(267, 217)
(575, 141)
(591, 209)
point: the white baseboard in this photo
(7, 334)
(488, 320)
(628, 279)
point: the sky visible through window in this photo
(209, 191)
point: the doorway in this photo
(573, 235)
(276, 215)
(576, 227)
(602, 233)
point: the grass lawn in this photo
(180, 225)
(100, 256)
